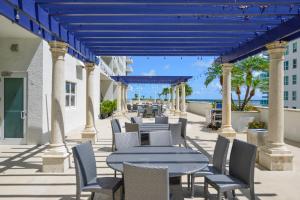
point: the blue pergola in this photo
(172, 80)
(229, 29)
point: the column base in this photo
(183, 114)
(227, 132)
(89, 134)
(276, 158)
(56, 160)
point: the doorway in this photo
(13, 108)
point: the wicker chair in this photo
(86, 173)
(146, 183)
(126, 140)
(161, 120)
(115, 128)
(241, 171)
(160, 138)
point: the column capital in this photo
(276, 47)
(182, 83)
(58, 47)
(228, 66)
(89, 66)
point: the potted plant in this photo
(257, 134)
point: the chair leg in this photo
(92, 195)
(233, 193)
(115, 173)
(192, 185)
(252, 193)
(219, 195)
(205, 190)
(78, 195)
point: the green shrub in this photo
(257, 125)
(107, 108)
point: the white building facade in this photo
(292, 75)
(26, 86)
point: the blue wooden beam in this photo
(169, 28)
(172, 2)
(287, 31)
(169, 10)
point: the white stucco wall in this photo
(291, 117)
(27, 60)
(291, 122)
(107, 89)
(200, 108)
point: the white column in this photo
(177, 99)
(275, 155)
(172, 98)
(183, 98)
(119, 98)
(126, 97)
(226, 129)
(89, 133)
(55, 159)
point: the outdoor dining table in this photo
(180, 161)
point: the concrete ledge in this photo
(227, 132)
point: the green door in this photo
(13, 107)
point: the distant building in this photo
(291, 75)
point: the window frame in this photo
(294, 79)
(294, 95)
(70, 94)
(294, 63)
(286, 95)
(286, 80)
(295, 47)
(286, 65)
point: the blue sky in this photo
(191, 66)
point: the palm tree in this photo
(245, 75)
(165, 92)
(188, 90)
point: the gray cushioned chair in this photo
(219, 162)
(86, 173)
(161, 120)
(241, 171)
(115, 128)
(183, 122)
(146, 183)
(129, 127)
(126, 140)
(176, 134)
(160, 138)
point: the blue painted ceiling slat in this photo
(286, 31)
(151, 79)
(192, 20)
(167, 28)
(203, 2)
(175, 10)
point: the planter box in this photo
(241, 119)
(257, 137)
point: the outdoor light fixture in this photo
(17, 16)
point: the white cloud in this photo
(166, 67)
(152, 72)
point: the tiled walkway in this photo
(21, 176)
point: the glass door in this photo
(13, 110)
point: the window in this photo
(286, 65)
(286, 95)
(294, 79)
(294, 95)
(294, 107)
(294, 63)
(294, 47)
(286, 80)
(70, 94)
(286, 50)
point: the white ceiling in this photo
(11, 30)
